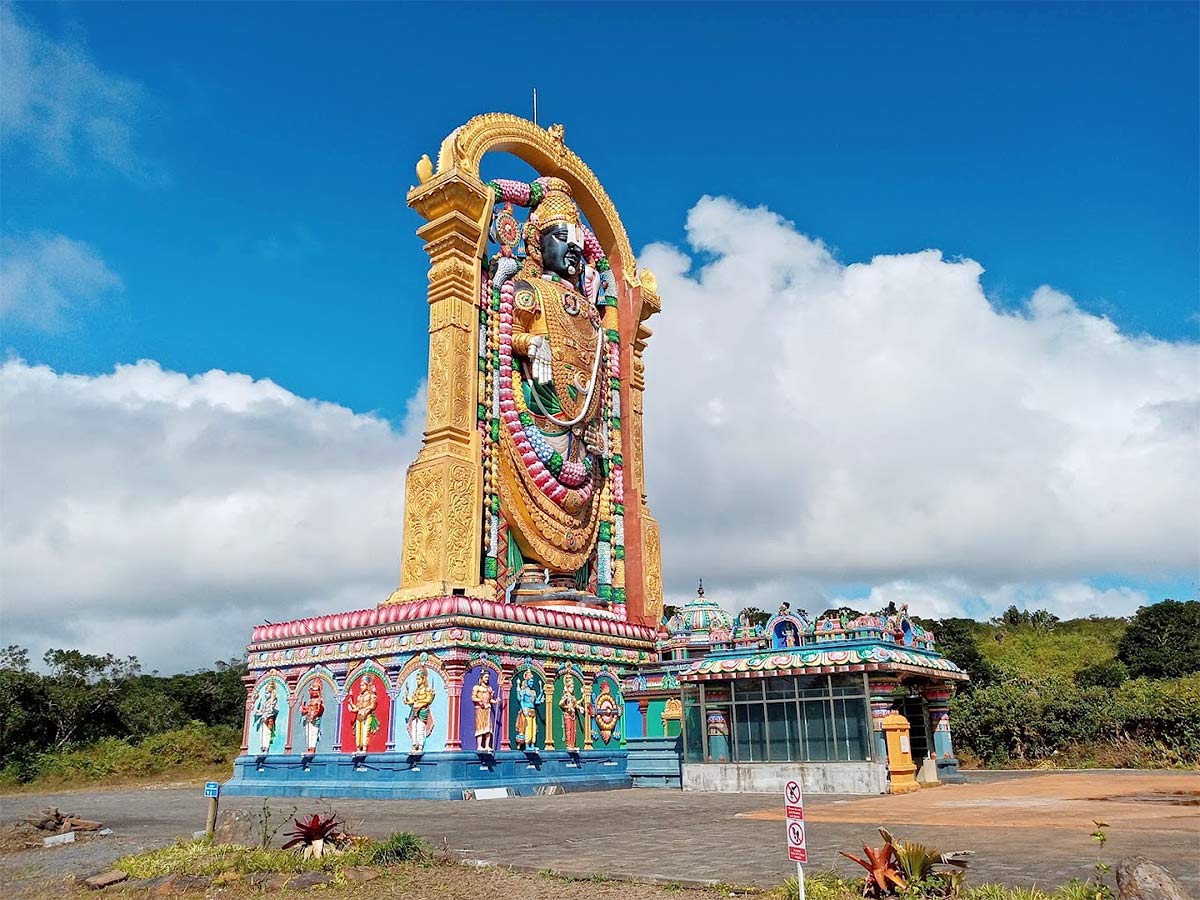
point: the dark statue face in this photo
(562, 251)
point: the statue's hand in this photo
(539, 359)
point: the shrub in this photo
(402, 846)
(1109, 674)
(1163, 640)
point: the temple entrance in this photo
(913, 709)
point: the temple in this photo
(525, 650)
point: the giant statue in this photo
(529, 487)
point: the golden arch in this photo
(464, 148)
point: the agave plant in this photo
(882, 875)
(314, 834)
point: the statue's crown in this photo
(556, 205)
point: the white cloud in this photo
(151, 513)
(58, 102)
(809, 422)
(46, 277)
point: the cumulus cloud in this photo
(153, 513)
(56, 101)
(810, 422)
(44, 278)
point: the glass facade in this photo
(778, 719)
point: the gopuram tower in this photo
(530, 572)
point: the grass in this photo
(204, 858)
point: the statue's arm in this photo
(525, 310)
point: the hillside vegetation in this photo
(1087, 692)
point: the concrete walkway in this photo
(1025, 829)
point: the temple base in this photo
(446, 775)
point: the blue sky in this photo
(221, 187)
(1058, 143)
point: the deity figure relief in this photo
(555, 371)
(312, 711)
(484, 698)
(363, 709)
(420, 712)
(528, 700)
(606, 710)
(266, 713)
(574, 710)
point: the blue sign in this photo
(212, 788)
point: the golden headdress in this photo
(556, 205)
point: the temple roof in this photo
(699, 622)
(867, 656)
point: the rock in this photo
(271, 881)
(239, 826)
(227, 878)
(1139, 878)
(360, 873)
(105, 879)
(308, 880)
(192, 883)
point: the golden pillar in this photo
(444, 491)
(899, 751)
(651, 542)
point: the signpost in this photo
(212, 790)
(793, 809)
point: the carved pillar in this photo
(644, 536)
(937, 703)
(548, 685)
(444, 491)
(454, 684)
(505, 689)
(644, 708)
(293, 702)
(248, 681)
(340, 700)
(881, 707)
(587, 719)
(394, 711)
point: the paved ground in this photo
(1025, 828)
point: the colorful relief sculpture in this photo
(420, 710)
(312, 711)
(574, 712)
(266, 714)
(606, 710)
(362, 707)
(529, 701)
(484, 700)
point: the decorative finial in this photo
(700, 589)
(424, 168)
(557, 132)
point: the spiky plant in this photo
(882, 875)
(313, 835)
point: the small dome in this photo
(700, 621)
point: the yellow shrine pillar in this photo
(899, 751)
(443, 498)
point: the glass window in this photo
(818, 730)
(813, 686)
(781, 722)
(717, 692)
(780, 688)
(693, 726)
(851, 716)
(847, 686)
(716, 726)
(747, 689)
(750, 735)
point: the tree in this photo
(83, 693)
(1162, 640)
(955, 639)
(755, 616)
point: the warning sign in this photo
(793, 805)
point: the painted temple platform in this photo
(442, 775)
(420, 671)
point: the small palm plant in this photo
(316, 836)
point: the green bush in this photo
(194, 746)
(402, 846)
(1108, 674)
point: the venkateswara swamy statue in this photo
(529, 486)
